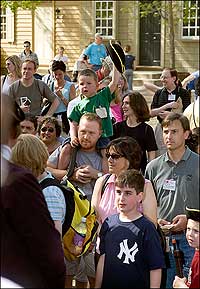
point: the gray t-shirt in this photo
(36, 92)
(176, 184)
(94, 160)
(82, 158)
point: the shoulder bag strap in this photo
(193, 115)
(105, 184)
(4, 79)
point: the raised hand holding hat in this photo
(117, 55)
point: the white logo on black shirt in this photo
(129, 253)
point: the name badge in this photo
(101, 112)
(169, 185)
(171, 96)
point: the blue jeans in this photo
(188, 253)
(129, 76)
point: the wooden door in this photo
(150, 40)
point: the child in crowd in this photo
(98, 103)
(192, 235)
(130, 249)
(129, 66)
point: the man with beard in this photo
(88, 167)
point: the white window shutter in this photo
(9, 25)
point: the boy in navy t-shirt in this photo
(130, 249)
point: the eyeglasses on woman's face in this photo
(50, 129)
(113, 156)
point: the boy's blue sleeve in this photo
(153, 250)
(102, 235)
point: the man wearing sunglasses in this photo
(28, 54)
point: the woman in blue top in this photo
(64, 89)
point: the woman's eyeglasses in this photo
(50, 129)
(113, 156)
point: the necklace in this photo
(60, 85)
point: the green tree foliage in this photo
(169, 11)
(24, 4)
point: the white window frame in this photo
(189, 26)
(99, 29)
(9, 26)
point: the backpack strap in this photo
(69, 200)
(50, 182)
(193, 114)
(72, 162)
(105, 183)
(4, 79)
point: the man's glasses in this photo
(50, 129)
(26, 46)
(113, 156)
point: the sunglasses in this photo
(26, 46)
(50, 129)
(113, 156)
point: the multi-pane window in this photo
(104, 12)
(191, 19)
(7, 25)
(3, 23)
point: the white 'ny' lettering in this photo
(129, 253)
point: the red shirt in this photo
(193, 278)
(99, 75)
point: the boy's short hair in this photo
(127, 48)
(89, 72)
(132, 179)
(193, 214)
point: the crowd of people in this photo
(142, 181)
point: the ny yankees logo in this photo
(129, 253)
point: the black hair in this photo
(58, 65)
(30, 117)
(27, 42)
(52, 120)
(129, 148)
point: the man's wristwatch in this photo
(100, 174)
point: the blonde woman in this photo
(30, 152)
(13, 65)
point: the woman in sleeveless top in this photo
(123, 153)
(13, 65)
(64, 89)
